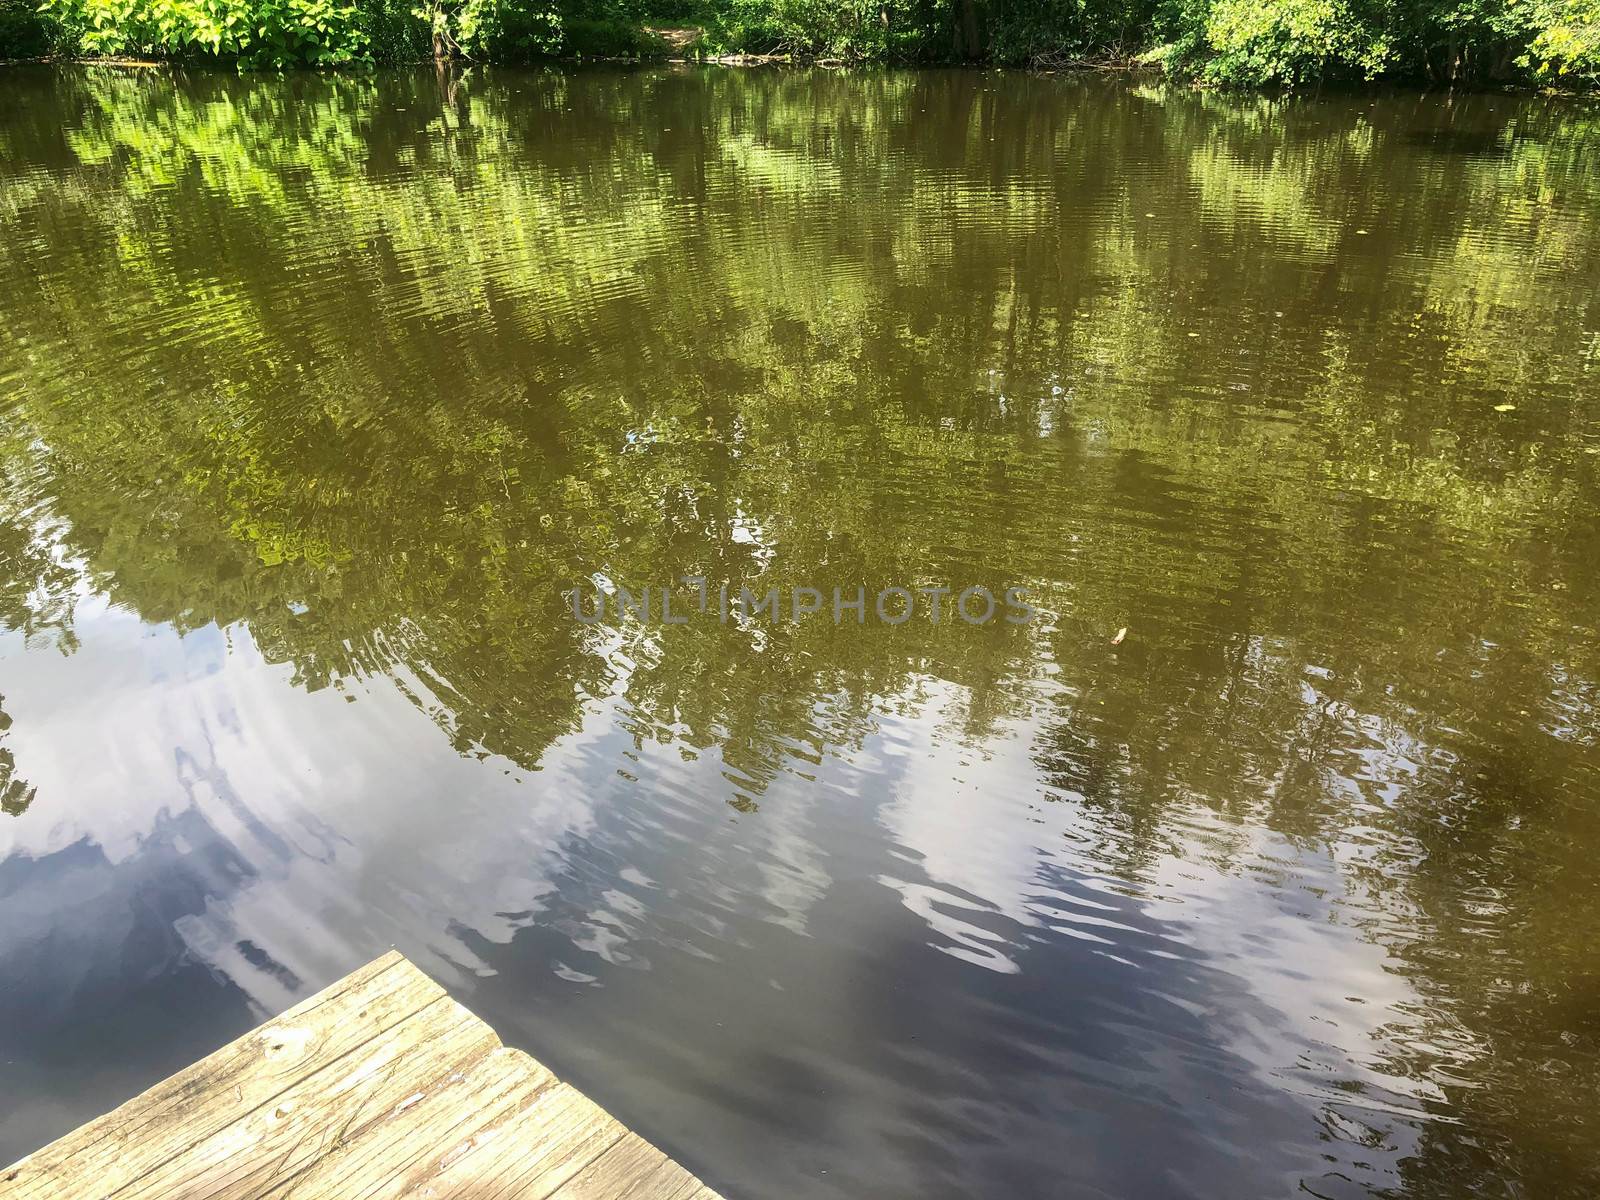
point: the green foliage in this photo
(1291, 41)
(680, 12)
(24, 31)
(1567, 45)
(1463, 41)
(484, 29)
(610, 39)
(1249, 43)
(256, 33)
(1284, 43)
(785, 26)
(1029, 32)
(394, 33)
(1458, 42)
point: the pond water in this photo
(319, 393)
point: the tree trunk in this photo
(969, 30)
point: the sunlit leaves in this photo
(256, 33)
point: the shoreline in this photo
(1132, 68)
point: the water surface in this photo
(317, 392)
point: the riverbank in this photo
(1249, 43)
(1133, 71)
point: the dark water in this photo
(318, 393)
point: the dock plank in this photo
(391, 1157)
(531, 1153)
(380, 1087)
(633, 1169)
(339, 1102)
(165, 1121)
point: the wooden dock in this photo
(380, 1086)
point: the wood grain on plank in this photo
(531, 1153)
(336, 1103)
(633, 1169)
(106, 1154)
(389, 1157)
(378, 1088)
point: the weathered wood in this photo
(634, 1169)
(378, 1088)
(333, 1105)
(530, 1152)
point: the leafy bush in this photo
(779, 26)
(683, 12)
(491, 29)
(833, 28)
(1288, 43)
(258, 33)
(24, 31)
(1291, 41)
(1567, 47)
(394, 32)
(1029, 31)
(1462, 41)
(610, 39)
